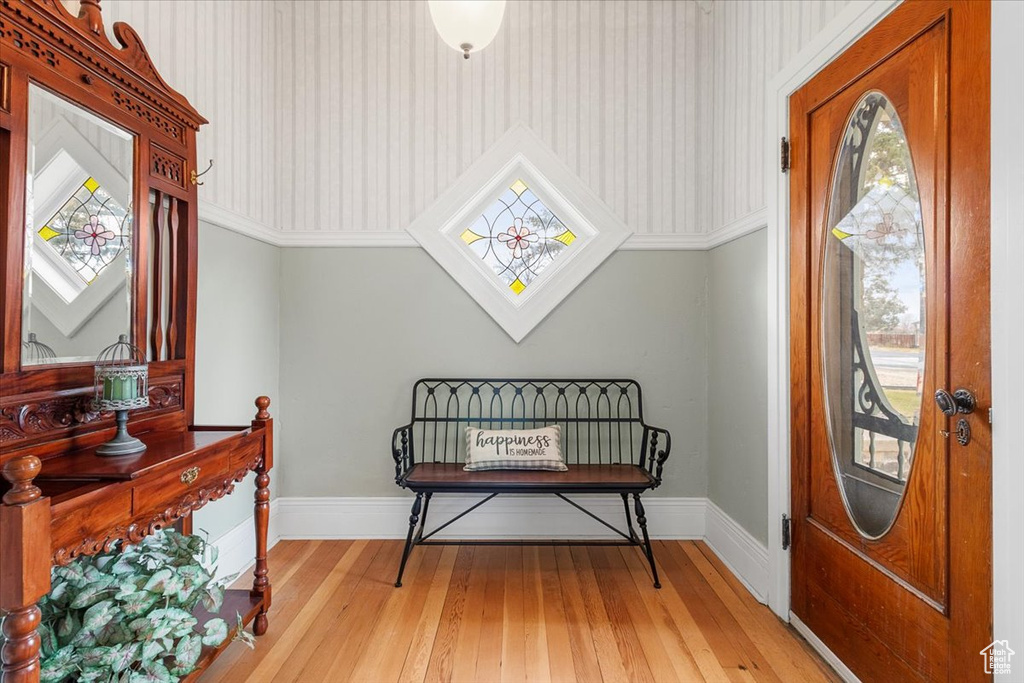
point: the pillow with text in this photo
(514, 449)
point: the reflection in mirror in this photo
(78, 239)
(873, 303)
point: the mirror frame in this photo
(72, 57)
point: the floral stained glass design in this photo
(89, 231)
(518, 237)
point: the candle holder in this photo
(122, 384)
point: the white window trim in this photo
(519, 154)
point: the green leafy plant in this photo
(126, 616)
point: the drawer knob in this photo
(189, 476)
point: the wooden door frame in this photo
(1007, 278)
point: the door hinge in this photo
(786, 538)
(784, 155)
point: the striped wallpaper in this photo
(331, 116)
(380, 116)
(220, 54)
(751, 41)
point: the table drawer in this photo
(90, 519)
(171, 486)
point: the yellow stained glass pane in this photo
(517, 286)
(518, 187)
(468, 236)
(48, 233)
(91, 185)
(566, 238)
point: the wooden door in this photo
(891, 513)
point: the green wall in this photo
(359, 326)
(237, 348)
(737, 386)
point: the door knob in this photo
(960, 401)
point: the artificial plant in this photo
(126, 616)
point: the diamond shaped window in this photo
(519, 231)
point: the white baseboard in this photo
(505, 517)
(236, 549)
(743, 554)
(822, 649)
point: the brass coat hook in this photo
(197, 176)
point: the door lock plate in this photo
(963, 432)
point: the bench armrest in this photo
(400, 441)
(658, 445)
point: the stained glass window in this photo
(89, 231)
(518, 237)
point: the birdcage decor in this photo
(122, 384)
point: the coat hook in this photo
(197, 176)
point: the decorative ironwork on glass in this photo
(89, 231)
(518, 237)
(873, 314)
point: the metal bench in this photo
(605, 442)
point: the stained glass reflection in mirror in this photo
(518, 237)
(89, 231)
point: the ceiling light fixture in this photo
(467, 25)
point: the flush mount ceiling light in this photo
(467, 25)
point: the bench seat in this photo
(579, 478)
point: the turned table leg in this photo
(261, 513)
(24, 569)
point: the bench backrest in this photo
(601, 419)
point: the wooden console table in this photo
(82, 504)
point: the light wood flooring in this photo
(493, 614)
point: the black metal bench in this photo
(605, 442)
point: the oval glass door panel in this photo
(873, 322)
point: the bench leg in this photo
(414, 519)
(629, 518)
(423, 517)
(641, 519)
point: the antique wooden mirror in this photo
(100, 229)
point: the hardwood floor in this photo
(518, 613)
